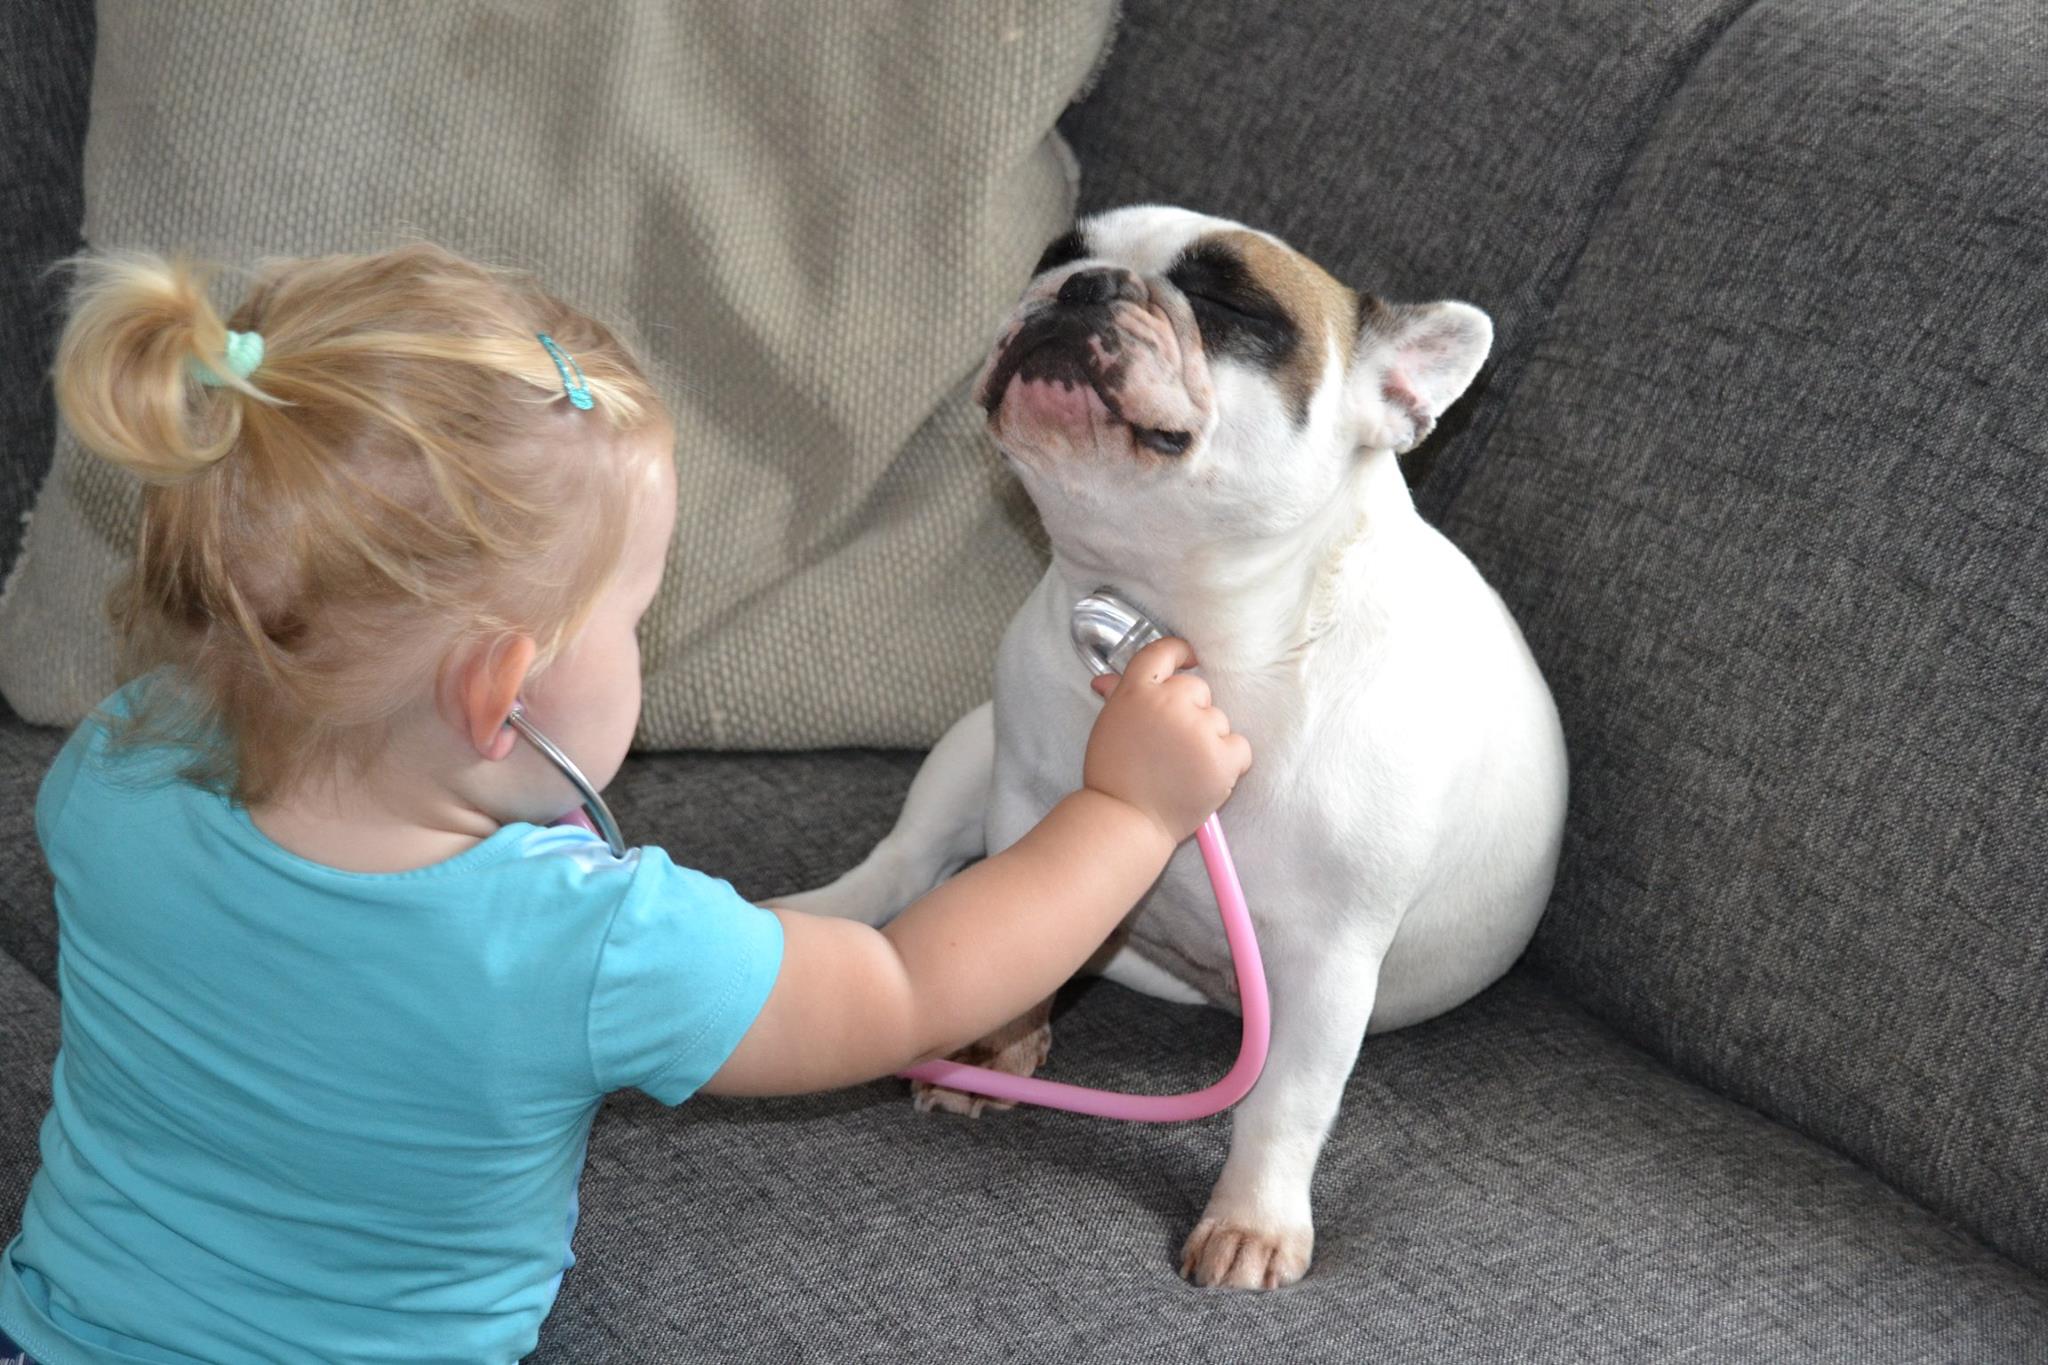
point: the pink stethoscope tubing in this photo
(1116, 1104)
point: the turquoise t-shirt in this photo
(303, 1114)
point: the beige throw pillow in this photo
(810, 218)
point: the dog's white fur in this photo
(1399, 827)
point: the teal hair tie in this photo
(243, 353)
(577, 388)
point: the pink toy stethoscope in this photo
(1107, 631)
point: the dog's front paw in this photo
(1222, 1254)
(1019, 1047)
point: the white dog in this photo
(1208, 423)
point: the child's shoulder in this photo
(125, 748)
(571, 853)
(87, 743)
(129, 764)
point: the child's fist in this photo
(1160, 745)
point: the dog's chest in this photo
(1044, 710)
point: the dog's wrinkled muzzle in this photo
(1105, 366)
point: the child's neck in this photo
(357, 831)
(393, 816)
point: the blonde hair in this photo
(400, 477)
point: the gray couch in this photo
(1761, 465)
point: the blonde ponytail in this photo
(141, 332)
(402, 474)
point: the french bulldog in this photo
(1209, 424)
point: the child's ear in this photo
(487, 682)
(1413, 361)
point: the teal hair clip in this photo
(242, 354)
(577, 389)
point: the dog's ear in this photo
(1411, 363)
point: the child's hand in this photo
(1159, 745)
(851, 1003)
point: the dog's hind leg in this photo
(1019, 1047)
(939, 830)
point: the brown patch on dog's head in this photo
(1267, 304)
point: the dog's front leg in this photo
(1257, 1232)
(939, 830)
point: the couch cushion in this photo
(809, 221)
(1419, 151)
(1771, 505)
(28, 919)
(45, 73)
(1511, 1182)
(28, 1044)
(1508, 1183)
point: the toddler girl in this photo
(338, 1003)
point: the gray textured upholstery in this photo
(1511, 1182)
(28, 925)
(1417, 151)
(45, 69)
(1771, 504)
(1759, 466)
(28, 1043)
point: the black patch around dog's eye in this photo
(1234, 314)
(1062, 250)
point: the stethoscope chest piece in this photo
(1107, 631)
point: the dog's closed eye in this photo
(1236, 309)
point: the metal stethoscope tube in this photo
(593, 805)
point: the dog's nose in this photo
(1099, 286)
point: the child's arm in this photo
(851, 1003)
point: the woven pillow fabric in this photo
(810, 220)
